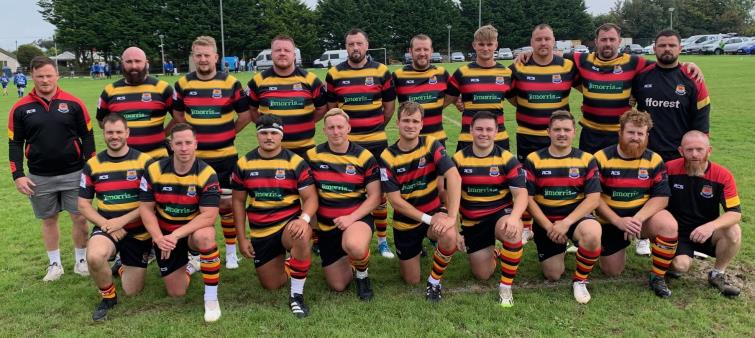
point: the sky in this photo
(22, 22)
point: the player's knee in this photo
(680, 263)
(482, 272)
(131, 290)
(553, 275)
(355, 249)
(338, 285)
(411, 280)
(176, 292)
(273, 284)
(612, 270)
(733, 234)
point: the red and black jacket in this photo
(56, 135)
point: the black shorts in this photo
(482, 234)
(268, 248)
(592, 141)
(223, 168)
(376, 148)
(177, 259)
(526, 144)
(612, 240)
(331, 242)
(687, 247)
(409, 242)
(460, 145)
(547, 248)
(134, 251)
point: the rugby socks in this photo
(54, 257)
(108, 292)
(662, 252)
(81, 254)
(361, 265)
(209, 263)
(510, 256)
(229, 231)
(527, 220)
(297, 270)
(380, 215)
(441, 259)
(585, 262)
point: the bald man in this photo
(143, 100)
(698, 187)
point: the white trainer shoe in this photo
(527, 235)
(193, 265)
(81, 268)
(504, 294)
(385, 250)
(54, 272)
(580, 292)
(211, 311)
(642, 247)
(571, 248)
(231, 262)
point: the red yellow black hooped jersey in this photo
(606, 88)
(414, 174)
(294, 99)
(481, 88)
(540, 90)
(178, 197)
(115, 183)
(428, 88)
(144, 107)
(341, 180)
(628, 183)
(695, 200)
(272, 186)
(559, 184)
(675, 101)
(361, 93)
(486, 183)
(209, 106)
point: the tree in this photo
(25, 53)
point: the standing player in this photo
(274, 188)
(206, 99)
(698, 188)
(4, 80)
(52, 129)
(409, 173)
(292, 93)
(676, 102)
(348, 186)
(19, 80)
(113, 177)
(178, 205)
(633, 201)
(482, 85)
(564, 189)
(364, 89)
(142, 100)
(493, 198)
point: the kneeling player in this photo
(348, 186)
(490, 176)
(698, 187)
(632, 205)
(564, 189)
(113, 176)
(409, 172)
(270, 184)
(185, 191)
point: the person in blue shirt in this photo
(19, 80)
(4, 82)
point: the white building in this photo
(7, 59)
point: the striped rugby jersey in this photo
(428, 88)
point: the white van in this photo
(331, 58)
(264, 59)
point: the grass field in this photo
(620, 307)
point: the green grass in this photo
(621, 306)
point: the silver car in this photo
(457, 57)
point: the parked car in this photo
(748, 48)
(715, 46)
(264, 59)
(436, 58)
(521, 50)
(331, 58)
(581, 49)
(695, 46)
(733, 44)
(457, 57)
(649, 49)
(408, 58)
(633, 48)
(505, 54)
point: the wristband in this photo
(305, 217)
(427, 219)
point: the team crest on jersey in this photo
(642, 174)
(369, 81)
(573, 172)
(556, 78)
(280, 174)
(146, 97)
(351, 169)
(707, 191)
(217, 93)
(680, 89)
(499, 80)
(131, 175)
(617, 69)
(63, 107)
(191, 191)
(433, 80)
(422, 162)
(494, 171)
(297, 86)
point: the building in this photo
(8, 60)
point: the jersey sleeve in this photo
(514, 75)
(209, 192)
(371, 170)
(303, 174)
(331, 95)
(103, 106)
(701, 115)
(318, 93)
(146, 194)
(660, 181)
(168, 99)
(454, 84)
(86, 185)
(515, 173)
(240, 99)
(254, 99)
(440, 157)
(178, 99)
(530, 178)
(85, 131)
(16, 140)
(389, 89)
(388, 180)
(237, 177)
(730, 198)
(592, 177)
